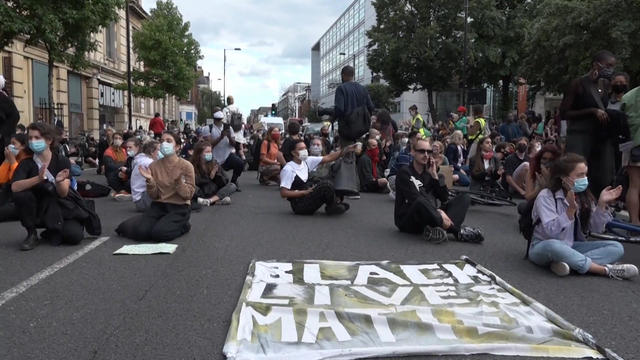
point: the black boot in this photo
(30, 242)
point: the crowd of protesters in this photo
(565, 183)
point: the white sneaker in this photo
(621, 271)
(392, 195)
(204, 202)
(560, 268)
(225, 201)
(123, 197)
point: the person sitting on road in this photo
(370, 173)
(512, 167)
(150, 152)
(133, 146)
(270, 158)
(326, 143)
(115, 169)
(403, 158)
(37, 185)
(563, 213)
(14, 153)
(438, 156)
(485, 168)
(418, 187)
(456, 155)
(294, 185)
(213, 188)
(171, 185)
(539, 175)
(323, 171)
(223, 144)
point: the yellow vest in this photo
(480, 133)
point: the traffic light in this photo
(274, 110)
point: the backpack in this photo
(355, 125)
(526, 224)
(90, 189)
(236, 121)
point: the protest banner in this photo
(348, 310)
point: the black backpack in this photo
(526, 223)
(236, 121)
(90, 189)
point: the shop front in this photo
(111, 101)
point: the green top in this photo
(461, 125)
(631, 105)
(540, 128)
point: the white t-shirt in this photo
(230, 110)
(289, 171)
(138, 182)
(223, 149)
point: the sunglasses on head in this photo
(424, 151)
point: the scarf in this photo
(374, 155)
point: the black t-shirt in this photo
(511, 163)
(28, 167)
(411, 185)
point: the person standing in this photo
(584, 106)
(156, 125)
(478, 129)
(9, 117)
(350, 97)
(223, 143)
(417, 122)
(463, 122)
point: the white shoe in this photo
(204, 202)
(560, 268)
(621, 271)
(392, 194)
(225, 201)
(123, 197)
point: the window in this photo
(110, 41)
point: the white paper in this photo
(146, 249)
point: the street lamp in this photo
(354, 58)
(224, 85)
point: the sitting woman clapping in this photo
(212, 186)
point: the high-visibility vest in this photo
(423, 130)
(481, 132)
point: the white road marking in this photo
(23, 286)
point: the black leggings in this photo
(28, 202)
(160, 222)
(422, 214)
(323, 194)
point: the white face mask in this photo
(378, 137)
(404, 142)
(117, 143)
(315, 150)
(303, 154)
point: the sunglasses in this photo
(424, 151)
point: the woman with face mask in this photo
(305, 198)
(213, 188)
(38, 185)
(144, 158)
(485, 167)
(563, 213)
(170, 185)
(270, 158)
(539, 174)
(115, 168)
(13, 154)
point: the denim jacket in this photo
(554, 224)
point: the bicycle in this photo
(617, 230)
(487, 195)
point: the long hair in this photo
(478, 163)
(562, 168)
(270, 140)
(200, 165)
(534, 164)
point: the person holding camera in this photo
(224, 143)
(418, 188)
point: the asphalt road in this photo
(179, 306)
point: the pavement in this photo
(179, 306)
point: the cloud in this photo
(276, 37)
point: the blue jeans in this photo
(579, 257)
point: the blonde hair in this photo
(457, 137)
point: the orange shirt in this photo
(272, 154)
(7, 170)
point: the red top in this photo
(156, 125)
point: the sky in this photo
(275, 36)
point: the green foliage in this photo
(381, 95)
(566, 34)
(208, 100)
(13, 23)
(169, 53)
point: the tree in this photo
(381, 95)
(566, 34)
(13, 22)
(169, 53)
(208, 100)
(415, 44)
(64, 28)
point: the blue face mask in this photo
(208, 157)
(131, 153)
(160, 156)
(580, 185)
(37, 146)
(13, 150)
(167, 149)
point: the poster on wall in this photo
(347, 310)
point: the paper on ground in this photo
(146, 249)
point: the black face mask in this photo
(620, 88)
(521, 148)
(325, 135)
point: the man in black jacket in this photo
(418, 187)
(9, 117)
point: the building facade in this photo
(289, 105)
(345, 43)
(86, 100)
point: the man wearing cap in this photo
(462, 122)
(223, 143)
(9, 117)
